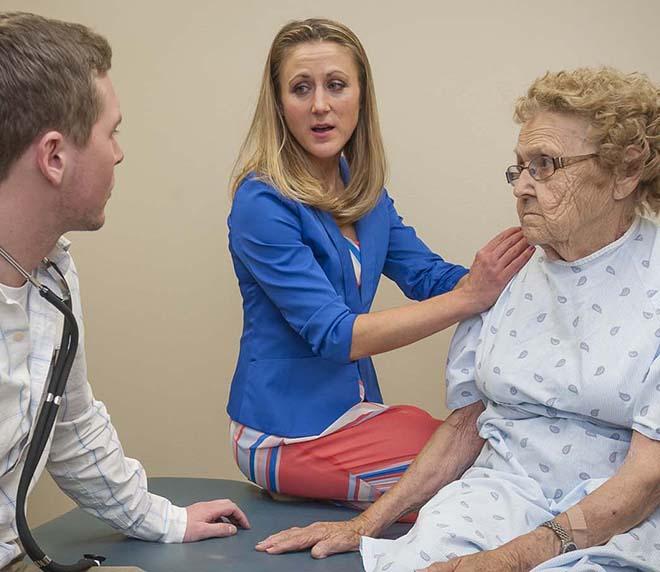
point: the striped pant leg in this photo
(257, 461)
(356, 464)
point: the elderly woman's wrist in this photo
(532, 549)
(367, 525)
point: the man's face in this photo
(91, 176)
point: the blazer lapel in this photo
(366, 229)
(350, 283)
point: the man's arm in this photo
(450, 451)
(88, 463)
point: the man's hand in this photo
(324, 538)
(213, 519)
(500, 559)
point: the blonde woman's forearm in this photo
(493, 267)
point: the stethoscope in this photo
(56, 382)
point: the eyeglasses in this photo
(543, 167)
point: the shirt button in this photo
(19, 336)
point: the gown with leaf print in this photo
(568, 364)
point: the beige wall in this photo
(163, 310)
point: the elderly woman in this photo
(551, 459)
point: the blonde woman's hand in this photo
(494, 266)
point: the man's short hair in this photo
(47, 73)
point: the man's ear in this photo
(631, 172)
(52, 154)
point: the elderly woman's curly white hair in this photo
(622, 110)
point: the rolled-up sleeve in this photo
(88, 463)
(265, 235)
(419, 272)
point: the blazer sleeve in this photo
(265, 234)
(419, 272)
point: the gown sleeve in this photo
(461, 365)
(646, 416)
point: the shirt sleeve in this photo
(646, 416)
(419, 272)
(461, 365)
(265, 234)
(88, 463)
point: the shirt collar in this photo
(60, 254)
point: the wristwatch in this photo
(567, 543)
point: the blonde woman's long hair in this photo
(272, 154)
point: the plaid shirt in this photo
(83, 455)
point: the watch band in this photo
(567, 542)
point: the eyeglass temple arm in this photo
(561, 162)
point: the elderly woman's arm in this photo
(621, 503)
(450, 451)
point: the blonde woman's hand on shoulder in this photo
(495, 264)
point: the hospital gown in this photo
(567, 363)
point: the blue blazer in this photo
(294, 376)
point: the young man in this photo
(58, 119)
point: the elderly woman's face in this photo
(560, 209)
(320, 96)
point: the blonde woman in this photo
(311, 231)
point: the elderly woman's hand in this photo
(494, 266)
(501, 559)
(324, 538)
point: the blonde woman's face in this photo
(320, 95)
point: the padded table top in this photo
(69, 536)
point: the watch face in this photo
(569, 547)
